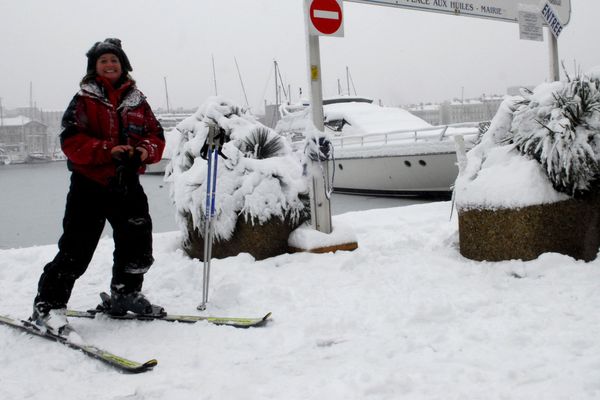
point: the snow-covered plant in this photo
(262, 143)
(260, 179)
(559, 126)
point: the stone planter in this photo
(261, 241)
(569, 227)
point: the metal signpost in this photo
(556, 13)
(323, 18)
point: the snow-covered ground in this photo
(402, 317)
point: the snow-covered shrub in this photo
(516, 192)
(559, 126)
(541, 147)
(260, 179)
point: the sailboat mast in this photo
(241, 82)
(348, 79)
(167, 95)
(351, 81)
(276, 85)
(214, 75)
(282, 87)
(30, 99)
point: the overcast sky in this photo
(397, 55)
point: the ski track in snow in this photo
(403, 316)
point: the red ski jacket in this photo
(99, 118)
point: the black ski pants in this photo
(89, 205)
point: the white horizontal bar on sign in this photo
(326, 14)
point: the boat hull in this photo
(397, 175)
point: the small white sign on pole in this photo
(530, 23)
(552, 20)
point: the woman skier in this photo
(109, 134)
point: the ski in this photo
(228, 321)
(113, 360)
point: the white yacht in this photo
(384, 150)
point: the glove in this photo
(127, 167)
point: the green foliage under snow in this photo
(559, 125)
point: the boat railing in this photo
(433, 133)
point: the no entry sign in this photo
(326, 17)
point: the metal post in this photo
(319, 206)
(553, 48)
(316, 85)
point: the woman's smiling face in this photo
(108, 66)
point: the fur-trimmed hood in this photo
(132, 98)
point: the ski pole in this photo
(202, 306)
(213, 195)
(210, 210)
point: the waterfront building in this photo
(451, 112)
(21, 136)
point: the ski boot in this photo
(52, 320)
(119, 304)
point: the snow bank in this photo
(371, 118)
(507, 180)
(402, 317)
(497, 175)
(307, 238)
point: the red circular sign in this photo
(326, 16)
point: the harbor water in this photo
(32, 201)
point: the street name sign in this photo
(505, 10)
